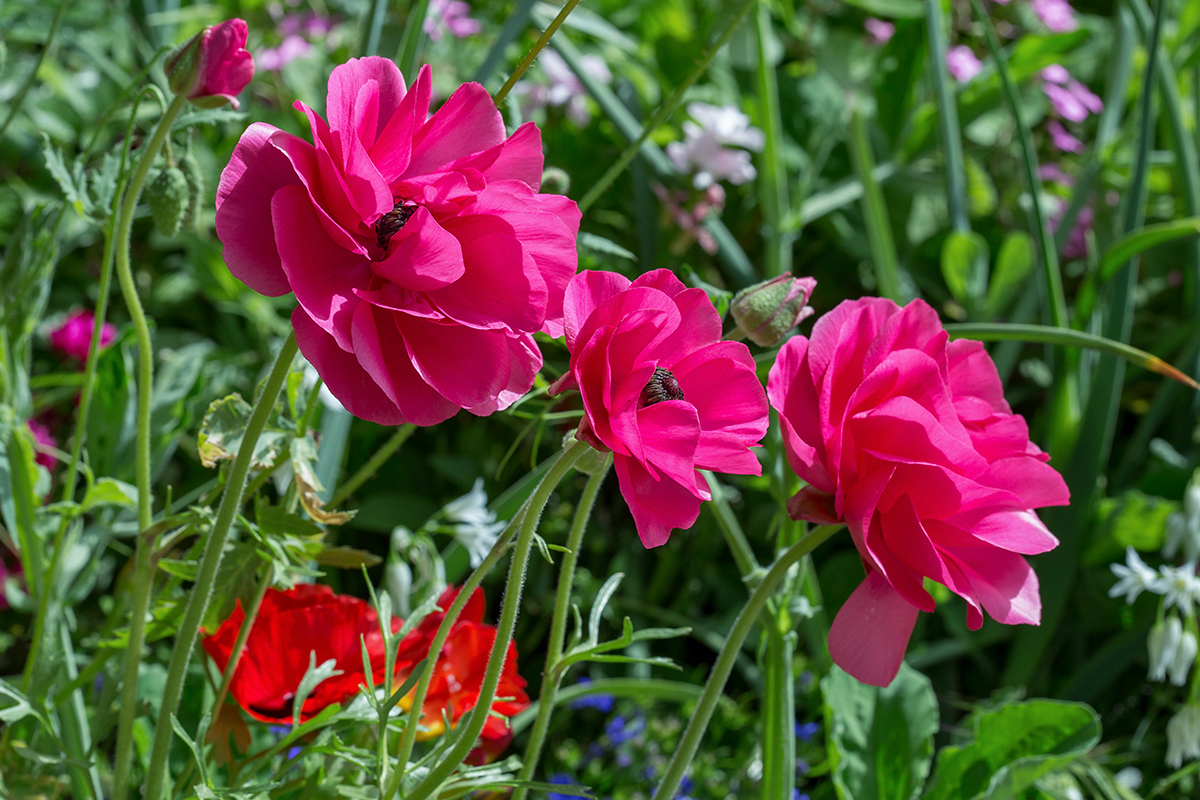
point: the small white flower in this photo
(706, 146)
(1134, 577)
(475, 527)
(1130, 778)
(1180, 585)
(1183, 736)
(1185, 656)
(1162, 643)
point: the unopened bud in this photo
(1162, 643)
(167, 197)
(1185, 656)
(766, 311)
(213, 67)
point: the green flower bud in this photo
(766, 311)
(167, 197)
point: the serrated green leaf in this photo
(223, 427)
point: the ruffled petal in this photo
(871, 631)
(658, 506)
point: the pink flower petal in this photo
(467, 123)
(422, 256)
(658, 506)
(871, 631)
(347, 380)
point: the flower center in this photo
(662, 386)
(391, 223)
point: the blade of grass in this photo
(372, 26)
(874, 210)
(412, 41)
(951, 135)
(1091, 453)
(773, 173)
(1132, 244)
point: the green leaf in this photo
(71, 181)
(109, 492)
(602, 246)
(965, 266)
(880, 740)
(896, 9)
(602, 597)
(1014, 746)
(346, 558)
(1013, 265)
(313, 677)
(223, 427)
(1142, 239)
(1134, 520)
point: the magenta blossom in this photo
(879, 31)
(73, 337)
(213, 67)
(1057, 15)
(661, 391)
(421, 254)
(1062, 139)
(41, 435)
(962, 63)
(1072, 101)
(907, 438)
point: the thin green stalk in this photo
(690, 742)
(372, 466)
(206, 577)
(239, 644)
(143, 575)
(471, 729)
(1041, 228)
(542, 41)
(552, 675)
(773, 174)
(412, 41)
(874, 209)
(779, 715)
(15, 104)
(82, 771)
(373, 26)
(513, 25)
(19, 460)
(667, 108)
(956, 176)
(731, 529)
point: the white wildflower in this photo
(1185, 656)
(1162, 643)
(708, 143)
(1134, 577)
(475, 527)
(1180, 585)
(1130, 778)
(1183, 736)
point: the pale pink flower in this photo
(1057, 15)
(564, 89)
(906, 437)
(1074, 101)
(962, 63)
(661, 391)
(73, 337)
(213, 67)
(1056, 73)
(1076, 245)
(1062, 139)
(422, 256)
(708, 145)
(292, 47)
(453, 16)
(1055, 174)
(879, 31)
(690, 219)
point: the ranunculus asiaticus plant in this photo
(906, 437)
(290, 625)
(661, 391)
(213, 67)
(421, 253)
(458, 675)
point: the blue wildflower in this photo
(802, 766)
(798, 795)
(561, 779)
(620, 731)
(806, 730)
(600, 702)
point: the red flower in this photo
(290, 625)
(213, 67)
(458, 675)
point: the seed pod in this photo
(196, 189)
(167, 197)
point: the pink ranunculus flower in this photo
(661, 391)
(74, 336)
(213, 67)
(421, 254)
(907, 438)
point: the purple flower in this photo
(600, 702)
(274, 59)
(619, 730)
(1076, 245)
(796, 794)
(1073, 101)
(1053, 173)
(962, 63)
(453, 16)
(878, 30)
(1062, 139)
(560, 779)
(1057, 15)
(806, 730)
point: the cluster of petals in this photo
(709, 145)
(310, 621)
(1057, 15)
(1072, 100)
(453, 16)
(73, 337)
(962, 63)
(906, 437)
(422, 256)
(213, 67)
(661, 391)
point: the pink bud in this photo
(213, 66)
(766, 311)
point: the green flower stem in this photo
(538, 46)
(143, 575)
(874, 209)
(956, 181)
(508, 620)
(774, 177)
(369, 469)
(239, 644)
(553, 674)
(735, 537)
(729, 653)
(206, 578)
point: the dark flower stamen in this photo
(391, 223)
(662, 386)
